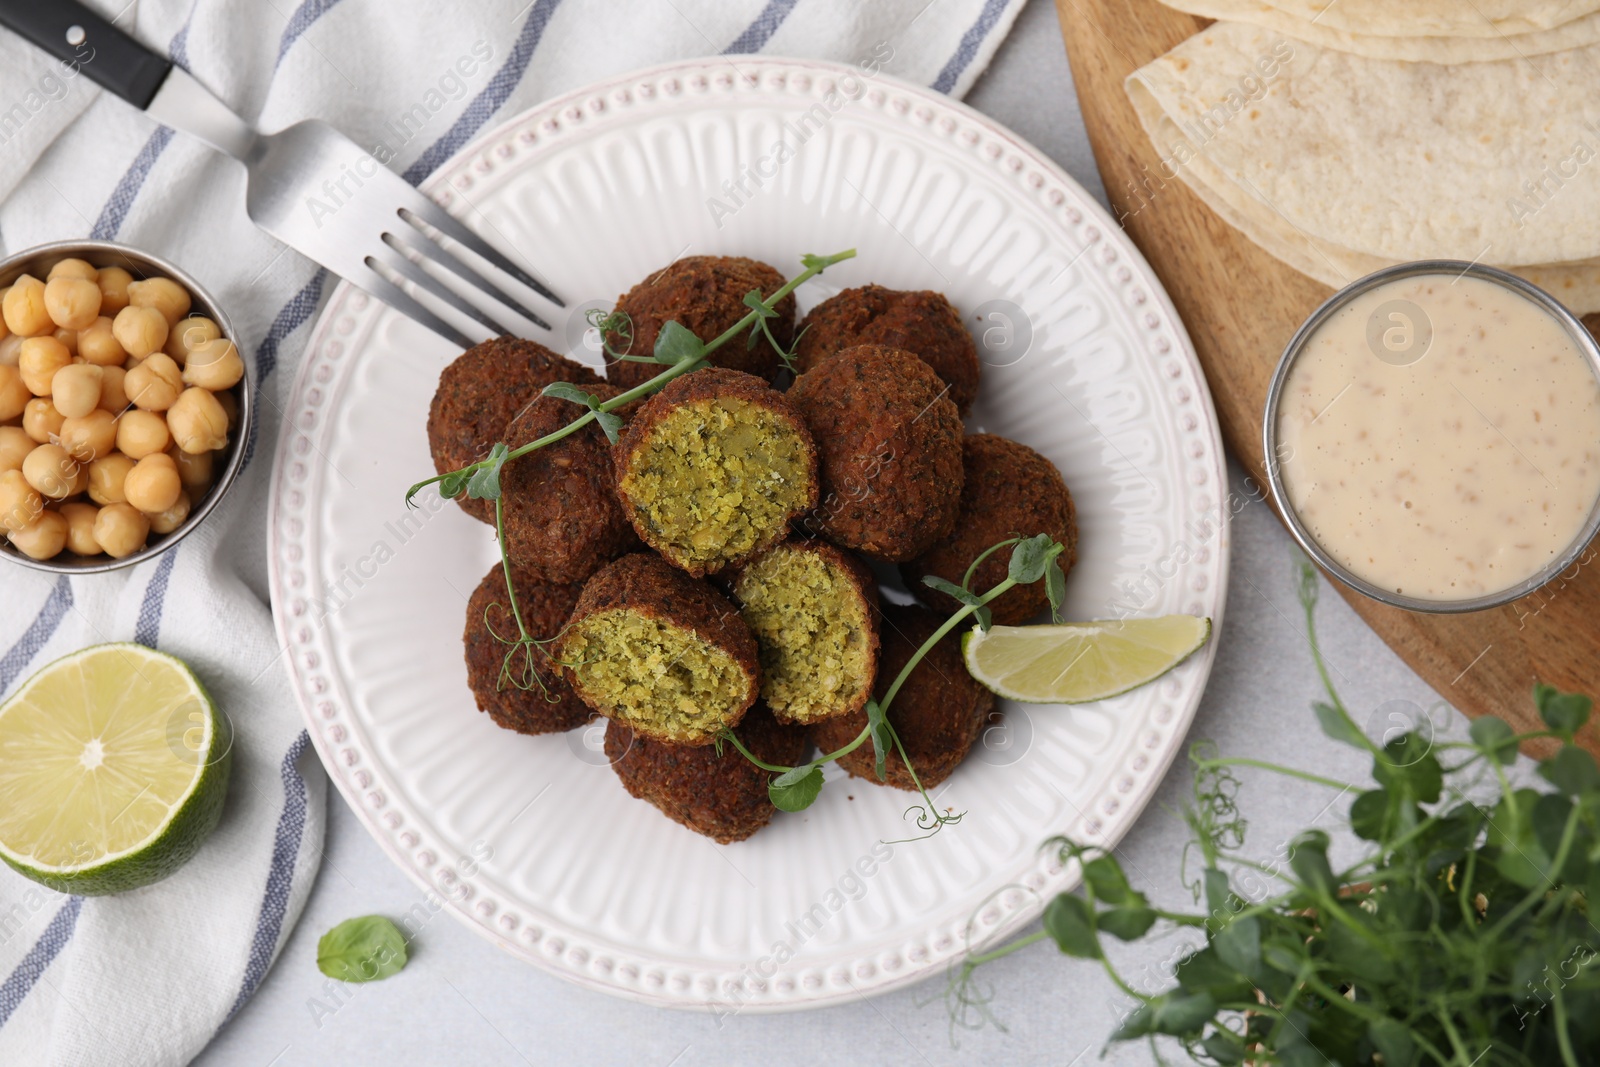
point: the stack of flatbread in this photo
(1345, 135)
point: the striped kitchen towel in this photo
(147, 977)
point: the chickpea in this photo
(106, 477)
(68, 339)
(44, 538)
(214, 365)
(140, 330)
(10, 349)
(73, 303)
(90, 436)
(121, 529)
(190, 334)
(41, 421)
(14, 393)
(113, 390)
(142, 433)
(166, 521)
(80, 528)
(72, 268)
(99, 345)
(163, 294)
(230, 404)
(75, 390)
(198, 422)
(41, 357)
(24, 308)
(20, 503)
(15, 444)
(114, 282)
(155, 383)
(51, 471)
(197, 469)
(153, 485)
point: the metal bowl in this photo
(37, 261)
(1575, 329)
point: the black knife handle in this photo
(73, 34)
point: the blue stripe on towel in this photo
(299, 22)
(968, 49)
(16, 988)
(38, 633)
(759, 32)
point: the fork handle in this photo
(82, 39)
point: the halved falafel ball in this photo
(705, 295)
(548, 704)
(939, 713)
(890, 446)
(563, 520)
(1010, 491)
(922, 322)
(658, 651)
(722, 796)
(813, 609)
(479, 394)
(713, 468)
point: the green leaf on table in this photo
(1067, 921)
(1371, 815)
(362, 950)
(882, 737)
(1105, 876)
(675, 343)
(1493, 734)
(610, 424)
(1055, 588)
(1238, 945)
(1571, 770)
(485, 481)
(1177, 1013)
(1564, 713)
(1204, 971)
(1308, 858)
(1337, 724)
(1127, 923)
(795, 790)
(453, 484)
(1028, 559)
(1393, 1040)
(1407, 765)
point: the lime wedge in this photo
(113, 768)
(1075, 662)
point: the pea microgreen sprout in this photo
(796, 788)
(1461, 935)
(679, 350)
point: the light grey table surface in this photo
(462, 1001)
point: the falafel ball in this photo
(1010, 491)
(813, 609)
(548, 705)
(714, 467)
(938, 714)
(658, 651)
(890, 445)
(922, 322)
(480, 392)
(705, 295)
(563, 521)
(721, 796)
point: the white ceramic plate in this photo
(532, 840)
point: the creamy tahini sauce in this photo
(1454, 476)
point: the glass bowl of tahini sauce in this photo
(1433, 436)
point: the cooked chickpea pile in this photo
(114, 401)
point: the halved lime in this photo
(113, 768)
(1076, 662)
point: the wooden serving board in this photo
(1241, 307)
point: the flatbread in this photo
(1575, 284)
(1581, 31)
(1395, 161)
(1437, 18)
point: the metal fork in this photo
(309, 185)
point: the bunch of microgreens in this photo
(676, 348)
(797, 788)
(1462, 937)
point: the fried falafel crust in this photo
(922, 322)
(721, 796)
(793, 685)
(1010, 491)
(938, 714)
(705, 295)
(552, 706)
(478, 395)
(708, 386)
(642, 597)
(889, 441)
(562, 517)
